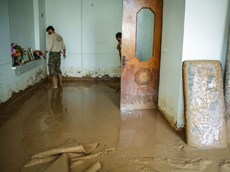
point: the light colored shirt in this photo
(55, 43)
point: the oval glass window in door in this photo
(145, 34)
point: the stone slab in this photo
(204, 104)
(227, 82)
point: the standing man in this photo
(55, 48)
(119, 37)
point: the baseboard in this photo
(88, 78)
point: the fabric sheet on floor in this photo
(70, 157)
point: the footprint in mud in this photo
(178, 147)
(174, 165)
(224, 166)
(193, 164)
(148, 169)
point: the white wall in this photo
(42, 24)
(4, 34)
(171, 58)
(89, 29)
(192, 30)
(9, 81)
(21, 15)
(205, 32)
(205, 29)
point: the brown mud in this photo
(89, 112)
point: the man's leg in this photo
(60, 79)
(59, 75)
(52, 69)
(54, 82)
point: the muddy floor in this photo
(89, 112)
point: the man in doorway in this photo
(55, 48)
(119, 37)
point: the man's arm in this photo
(50, 44)
(64, 53)
(64, 48)
(45, 53)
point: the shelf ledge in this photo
(26, 67)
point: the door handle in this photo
(124, 59)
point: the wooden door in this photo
(140, 78)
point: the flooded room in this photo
(115, 86)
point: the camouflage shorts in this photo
(54, 63)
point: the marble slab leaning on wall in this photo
(204, 104)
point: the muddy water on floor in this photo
(89, 112)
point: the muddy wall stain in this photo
(12, 83)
